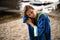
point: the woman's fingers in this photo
(29, 20)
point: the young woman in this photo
(38, 24)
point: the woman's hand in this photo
(29, 21)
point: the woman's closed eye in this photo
(31, 11)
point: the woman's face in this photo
(31, 13)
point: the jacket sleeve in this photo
(25, 19)
(47, 30)
(41, 25)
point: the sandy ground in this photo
(14, 30)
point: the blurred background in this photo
(11, 13)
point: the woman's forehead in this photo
(30, 10)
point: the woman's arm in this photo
(48, 30)
(34, 26)
(29, 21)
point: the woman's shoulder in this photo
(41, 14)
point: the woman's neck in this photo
(36, 16)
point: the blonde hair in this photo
(26, 8)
